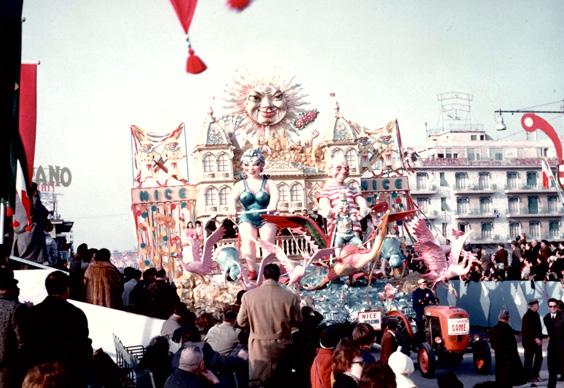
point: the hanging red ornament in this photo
(398, 200)
(194, 64)
(16, 223)
(9, 212)
(238, 5)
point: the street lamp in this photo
(501, 124)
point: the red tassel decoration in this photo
(238, 5)
(16, 223)
(194, 64)
(9, 212)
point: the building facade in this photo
(465, 179)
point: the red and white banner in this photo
(547, 176)
(28, 116)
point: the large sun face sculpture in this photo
(268, 108)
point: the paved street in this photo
(466, 374)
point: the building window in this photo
(223, 195)
(534, 229)
(533, 205)
(337, 153)
(496, 153)
(473, 137)
(222, 163)
(422, 204)
(484, 180)
(513, 205)
(444, 228)
(554, 229)
(486, 230)
(463, 227)
(485, 205)
(296, 193)
(512, 180)
(283, 193)
(209, 163)
(552, 204)
(442, 179)
(471, 154)
(531, 179)
(461, 180)
(514, 230)
(352, 159)
(444, 205)
(462, 205)
(211, 196)
(421, 180)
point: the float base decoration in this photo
(160, 214)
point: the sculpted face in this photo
(266, 105)
(341, 172)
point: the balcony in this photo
(527, 189)
(476, 189)
(474, 214)
(542, 212)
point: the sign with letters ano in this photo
(373, 318)
(458, 326)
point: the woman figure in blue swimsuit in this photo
(255, 195)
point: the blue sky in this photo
(108, 64)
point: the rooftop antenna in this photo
(456, 109)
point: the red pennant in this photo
(185, 11)
(238, 5)
(194, 64)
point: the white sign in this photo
(373, 318)
(458, 326)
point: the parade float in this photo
(297, 146)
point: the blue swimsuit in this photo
(254, 201)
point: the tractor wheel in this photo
(426, 360)
(482, 357)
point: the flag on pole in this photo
(28, 117)
(547, 176)
(22, 214)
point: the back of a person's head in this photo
(240, 296)
(377, 375)
(329, 337)
(392, 324)
(344, 354)
(91, 253)
(191, 358)
(363, 334)
(272, 271)
(187, 333)
(82, 249)
(448, 380)
(129, 273)
(149, 274)
(57, 283)
(158, 348)
(205, 321)
(103, 255)
(47, 375)
(161, 273)
(229, 314)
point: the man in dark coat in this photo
(531, 332)
(55, 330)
(10, 330)
(554, 322)
(508, 366)
(191, 371)
(389, 343)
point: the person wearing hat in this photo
(10, 329)
(421, 298)
(320, 372)
(402, 365)
(508, 367)
(531, 333)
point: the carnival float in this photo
(343, 267)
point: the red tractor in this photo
(445, 340)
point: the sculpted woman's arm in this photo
(274, 196)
